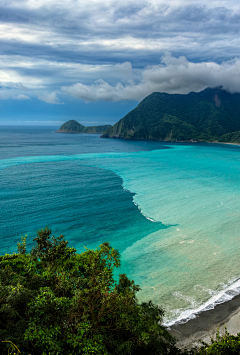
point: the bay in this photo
(172, 210)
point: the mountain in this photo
(209, 115)
(73, 126)
(96, 129)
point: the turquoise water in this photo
(172, 210)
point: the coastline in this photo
(76, 132)
(207, 323)
(227, 143)
(159, 140)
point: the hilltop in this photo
(73, 126)
(209, 115)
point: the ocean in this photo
(172, 210)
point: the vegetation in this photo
(210, 115)
(56, 301)
(226, 344)
(233, 137)
(73, 126)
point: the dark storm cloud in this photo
(49, 44)
(81, 31)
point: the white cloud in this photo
(173, 75)
(57, 73)
(8, 94)
(22, 97)
(50, 98)
(14, 78)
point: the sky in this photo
(95, 60)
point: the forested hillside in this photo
(73, 126)
(210, 115)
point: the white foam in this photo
(227, 294)
(150, 219)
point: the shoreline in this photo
(207, 323)
(75, 132)
(228, 143)
(159, 140)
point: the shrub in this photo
(226, 344)
(56, 301)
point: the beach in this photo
(207, 323)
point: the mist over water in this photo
(172, 210)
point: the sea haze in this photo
(172, 210)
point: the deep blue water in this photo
(86, 204)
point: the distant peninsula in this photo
(210, 115)
(73, 126)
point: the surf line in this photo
(150, 219)
(228, 293)
(134, 193)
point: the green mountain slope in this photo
(73, 126)
(210, 115)
(96, 129)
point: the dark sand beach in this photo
(206, 324)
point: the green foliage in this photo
(96, 129)
(50, 250)
(73, 126)
(22, 246)
(173, 117)
(233, 137)
(226, 344)
(55, 301)
(12, 348)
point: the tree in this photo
(54, 300)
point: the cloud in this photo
(12, 85)
(50, 98)
(113, 31)
(172, 75)
(22, 97)
(109, 50)
(11, 95)
(124, 69)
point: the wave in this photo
(232, 290)
(150, 219)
